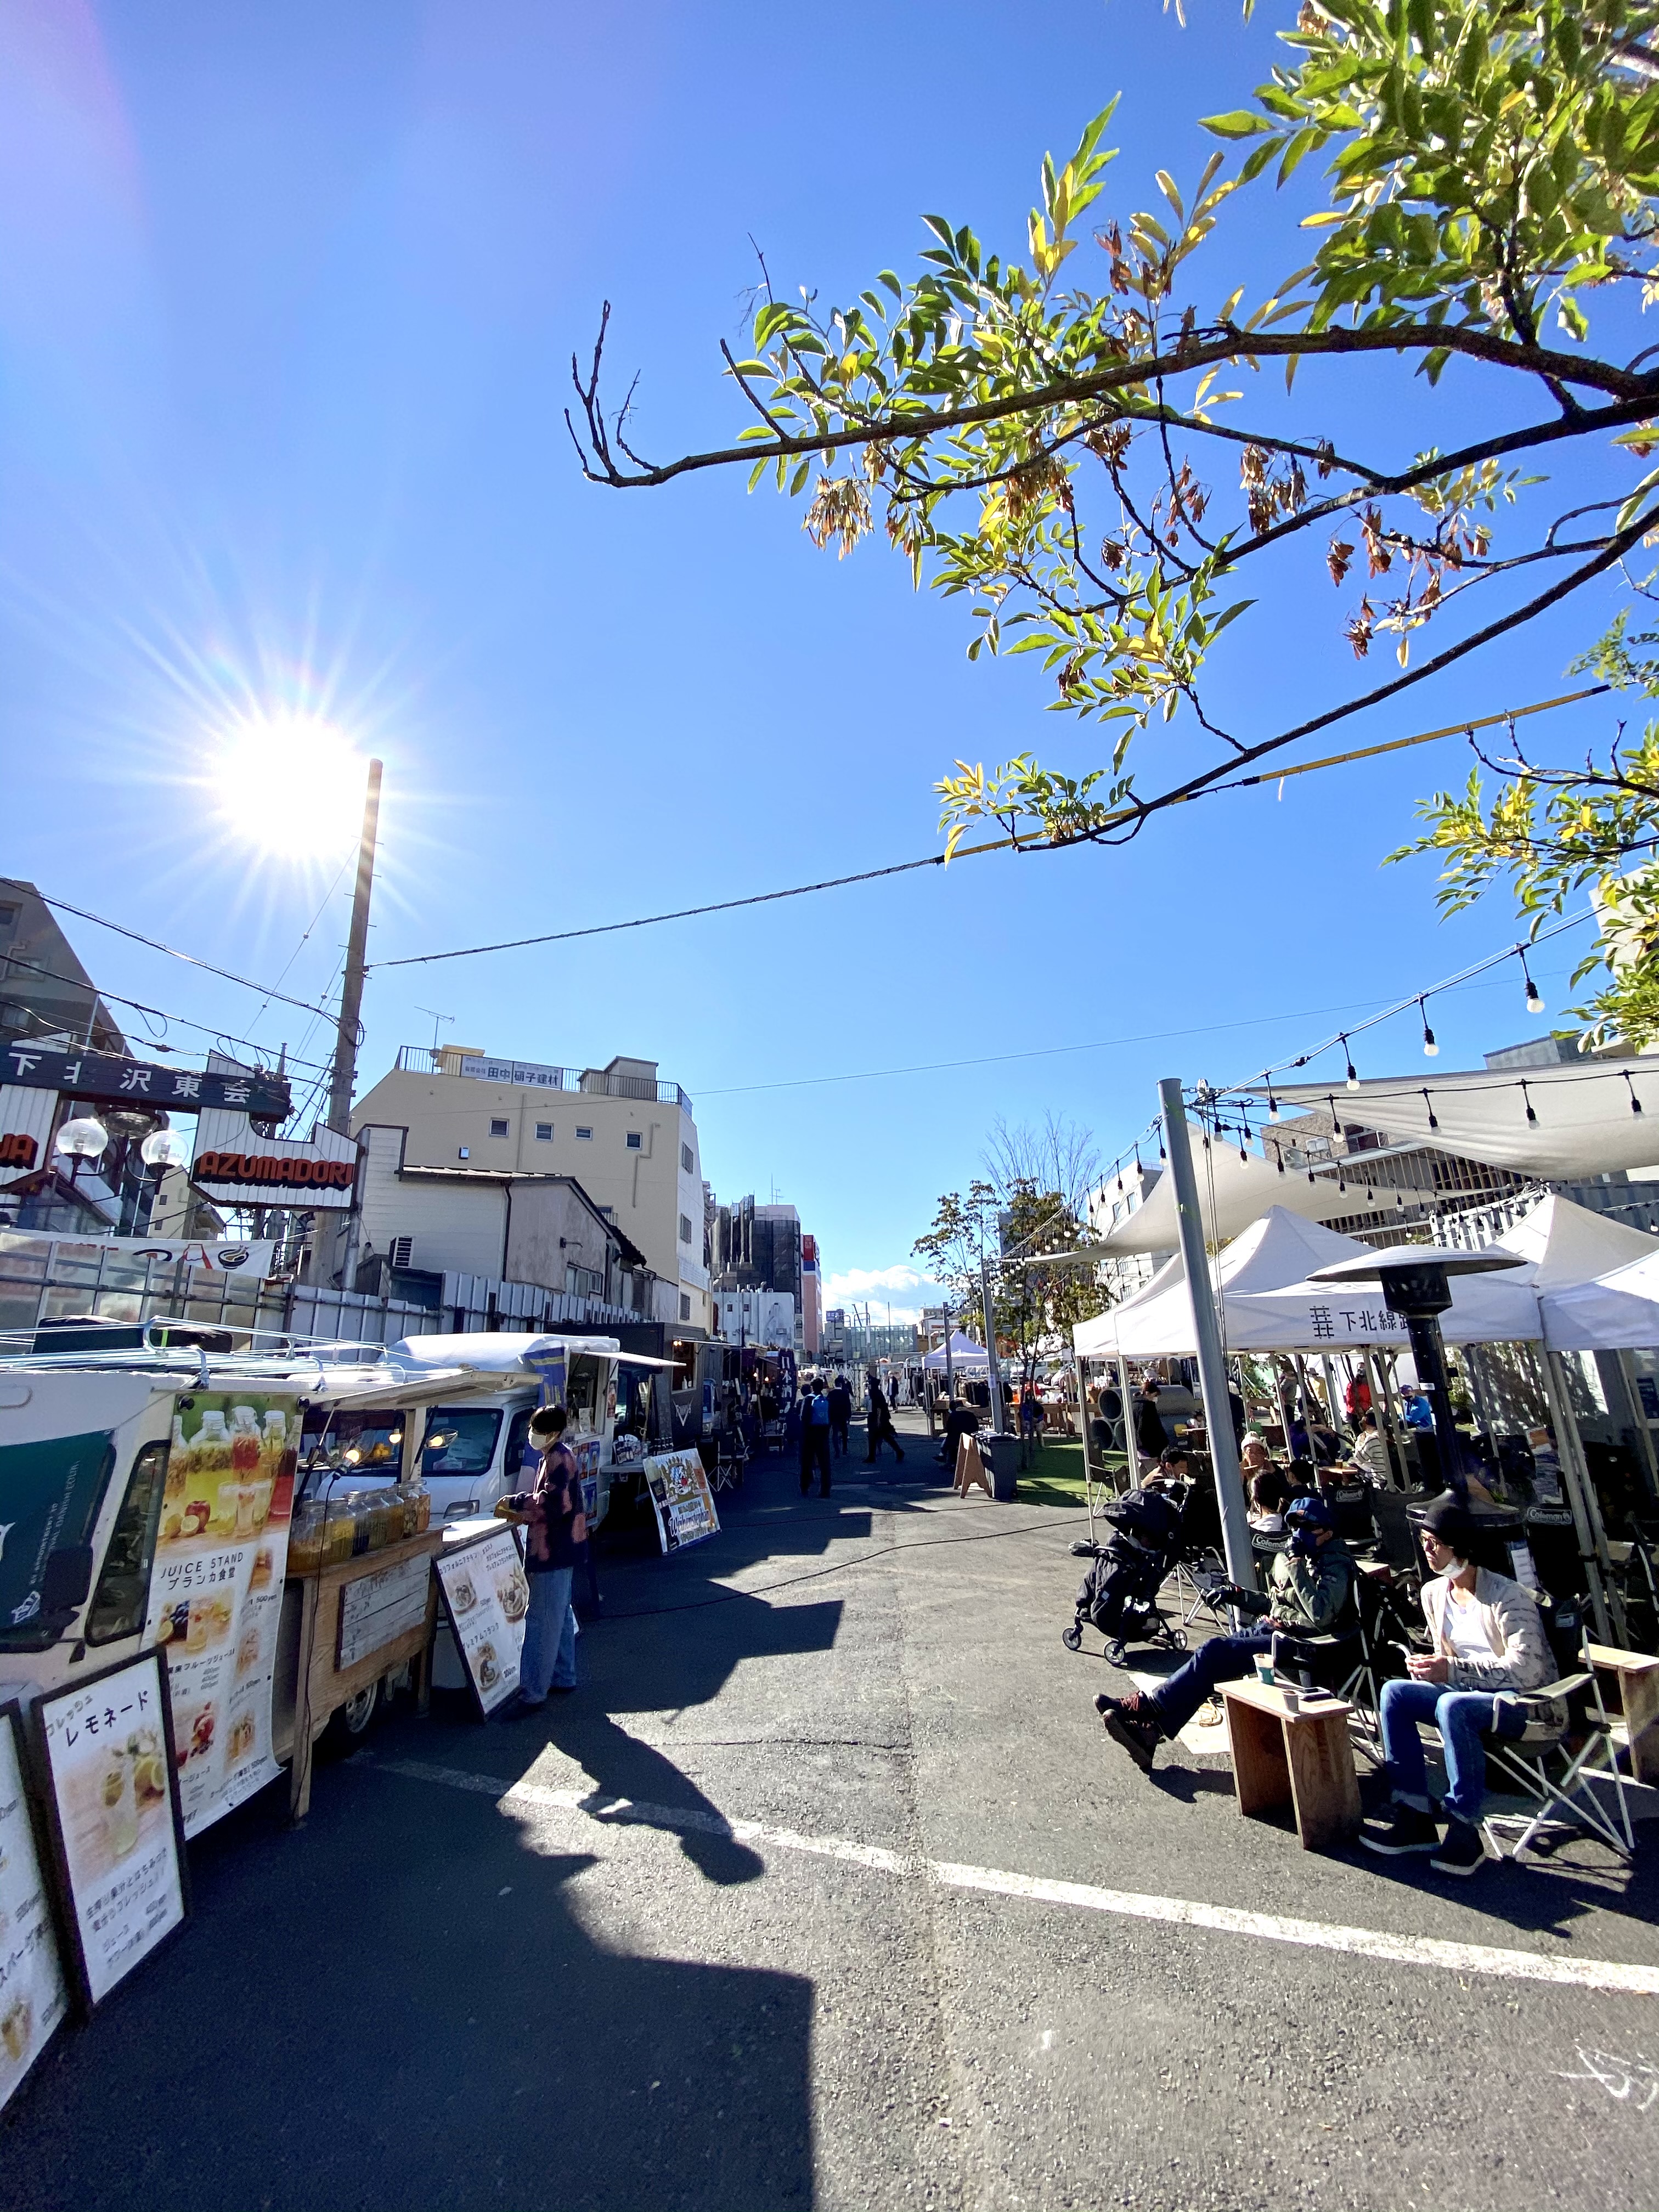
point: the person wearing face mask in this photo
(1311, 1593)
(1489, 1648)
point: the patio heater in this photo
(1416, 1286)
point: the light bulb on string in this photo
(1430, 1048)
(1635, 1102)
(1535, 1000)
(1429, 1103)
(1244, 1143)
(1352, 1078)
(1273, 1107)
(1532, 1115)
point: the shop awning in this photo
(1583, 1120)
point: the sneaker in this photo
(1131, 1731)
(1405, 1830)
(1463, 1851)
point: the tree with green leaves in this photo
(1064, 442)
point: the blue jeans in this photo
(1223, 1659)
(549, 1637)
(1462, 1716)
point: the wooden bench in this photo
(1302, 1759)
(1636, 1681)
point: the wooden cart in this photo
(344, 1627)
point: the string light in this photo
(1635, 1102)
(1429, 1103)
(1273, 1104)
(1161, 1154)
(1527, 1096)
(1243, 1142)
(1535, 1002)
(1430, 1048)
(1353, 1079)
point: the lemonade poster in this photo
(32, 1998)
(216, 1590)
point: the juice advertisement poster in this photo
(217, 1589)
(115, 1820)
(32, 1997)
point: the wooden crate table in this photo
(1302, 1759)
(359, 1619)
(1636, 1681)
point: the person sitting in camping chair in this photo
(1312, 1592)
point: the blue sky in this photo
(287, 301)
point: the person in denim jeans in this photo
(1489, 1651)
(556, 1530)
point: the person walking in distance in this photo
(555, 1531)
(840, 1414)
(815, 1438)
(879, 1420)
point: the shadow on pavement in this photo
(396, 2009)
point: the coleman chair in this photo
(1583, 1787)
(731, 1461)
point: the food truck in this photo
(268, 1518)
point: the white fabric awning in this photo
(1269, 1305)
(965, 1354)
(1620, 1313)
(1584, 1124)
(1566, 1244)
(1242, 1190)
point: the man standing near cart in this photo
(556, 1530)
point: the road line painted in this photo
(1130, 1904)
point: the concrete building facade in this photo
(627, 1138)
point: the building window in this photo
(465, 1153)
(544, 1133)
(498, 1129)
(685, 1229)
(686, 1305)
(634, 1140)
(686, 1160)
(586, 1135)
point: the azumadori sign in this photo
(270, 1172)
(108, 1081)
(235, 1166)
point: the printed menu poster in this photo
(116, 1815)
(32, 1998)
(487, 1595)
(216, 1594)
(683, 1501)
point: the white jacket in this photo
(1509, 1617)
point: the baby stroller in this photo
(1119, 1593)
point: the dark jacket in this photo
(841, 1405)
(1150, 1432)
(556, 1525)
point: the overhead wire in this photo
(1012, 842)
(117, 998)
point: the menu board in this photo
(113, 1806)
(586, 1456)
(216, 1594)
(486, 1594)
(32, 1997)
(681, 1498)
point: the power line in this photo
(115, 998)
(1013, 842)
(172, 950)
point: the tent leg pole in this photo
(1083, 1430)
(1575, 1472)
(1130, 1443)
(1284, 1413)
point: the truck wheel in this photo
(350, 1723)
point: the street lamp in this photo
(1416, 1286)
(163, 1149)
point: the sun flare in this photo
(289, 783)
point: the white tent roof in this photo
(1618, 1313)
(1157, 1322)
(1269, 1305)
(965, 1354)
(1566, 1243)
(1244, 1189)
(1584, 1124)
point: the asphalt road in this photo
(768, 1913)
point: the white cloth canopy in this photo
(1584, 1123)
(1269, 1305)
(965, 1354)
(1566, 1244)
(1618, 1313)
(1244, 1189)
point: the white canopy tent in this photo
(966, 1357)
(1588, 1115)
(1157, 1322)
(1618, 1312)
(1242, 1190)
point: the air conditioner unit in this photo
(401, 1249)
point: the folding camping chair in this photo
(1353, 1662)
(1542, 1765)
(730, 1459)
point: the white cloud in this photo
(903, 1287)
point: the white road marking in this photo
(1224, 1919)
(1627, 2081)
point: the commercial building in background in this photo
(462, 1121)
(758, 1317)
(812, 1298)
(44, 992)
(761, 1247)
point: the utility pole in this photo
(344, 1079)
(1211, 1366)
(989, 1309)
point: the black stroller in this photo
(1119, 1593)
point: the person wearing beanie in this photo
(1312, 1591)
(1489, 1651)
